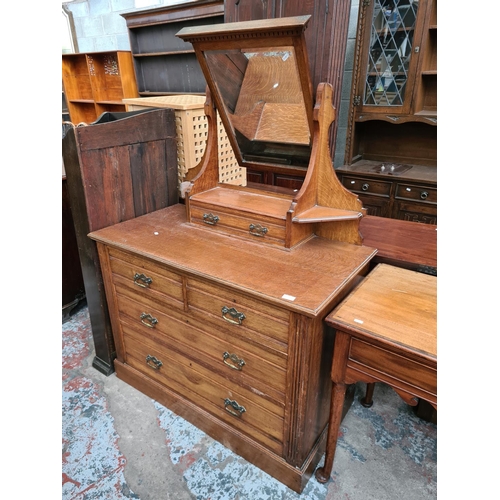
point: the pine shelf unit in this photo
(96, 82)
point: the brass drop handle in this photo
(210, 219)
(234, 408)
(257, 230)
(153, 362)
(233, 316)
(365, 186)
(233, 361)
(424, 195)
(148, 320)
(142, 280)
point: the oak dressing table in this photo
(218, 305)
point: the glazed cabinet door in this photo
(389, 40)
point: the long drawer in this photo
(245, 364)
(236, 310)
(227, 401)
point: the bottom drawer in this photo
(203, 388)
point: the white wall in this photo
(99, 25)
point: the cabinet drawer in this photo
(386, 362)
(368, 186)
(414, 193)
(236, 311)
(204, 388)
(416, 212)
(248, 225)
(145, 277)
(246, 364)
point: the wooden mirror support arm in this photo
(206, 174)
(323, 200)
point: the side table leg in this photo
(338, 394)
(367, 401)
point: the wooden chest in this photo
(233, 344)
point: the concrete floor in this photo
(120, 444)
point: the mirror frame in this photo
(260, 34)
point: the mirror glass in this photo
(263, 102)
(391, 41)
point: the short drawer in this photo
(367, 186)
(393, 367)
(261, 229)
(144, 277)
(230, 403)
(416, 193)
(236, 311)
(245, 363)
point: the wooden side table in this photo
(385, 332)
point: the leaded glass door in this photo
(391, 29)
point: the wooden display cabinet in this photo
(391, 148)
(96, 82)
(217, 305)
(164, 64)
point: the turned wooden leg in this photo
(367, 401)
(337, 403)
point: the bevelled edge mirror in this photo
(258, 76)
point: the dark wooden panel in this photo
(174, 13)
(172, 73)
(288, 181)
(72, 278)
(408, 143)
(401, 243)
(162, 61)
(381, 207)
(147, 128)
(114, 182)
(247, 10)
